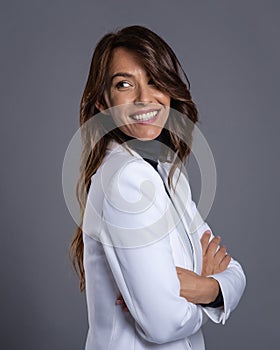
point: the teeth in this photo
(144, 116)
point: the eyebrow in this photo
(121, 74)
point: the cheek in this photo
(164, 98)
(118, 98)
(167, 100)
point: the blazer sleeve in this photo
(137, 246)
(232, 281)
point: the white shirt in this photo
(134, 237)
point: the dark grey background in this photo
(230, 50)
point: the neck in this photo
(155, 149)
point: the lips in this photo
(145, 115)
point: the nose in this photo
(143, 95)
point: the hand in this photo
(195, 288)
(199, 289)
(214, 258)
(120, 301)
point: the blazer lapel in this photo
(180, 199)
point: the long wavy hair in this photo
(163, 67)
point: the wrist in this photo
(213, 289)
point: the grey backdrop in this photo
(230, 50)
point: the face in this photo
(142, 108)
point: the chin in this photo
(145, 135)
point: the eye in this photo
(122, 85)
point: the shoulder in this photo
(136, 207)
(125, 169)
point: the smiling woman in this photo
(129, 85)
(134, 246)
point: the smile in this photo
(145, 116)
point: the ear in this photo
(101, 107)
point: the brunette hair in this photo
(165, 70)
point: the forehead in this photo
(125, 60)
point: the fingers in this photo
(213, 246)
(220, 254)
(225, 262)
(120, 301)
(183, 272)
(214, 258)
(205, 241)
(179, 270)
(221, 259)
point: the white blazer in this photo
(134, 235)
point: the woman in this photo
(134, 245)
